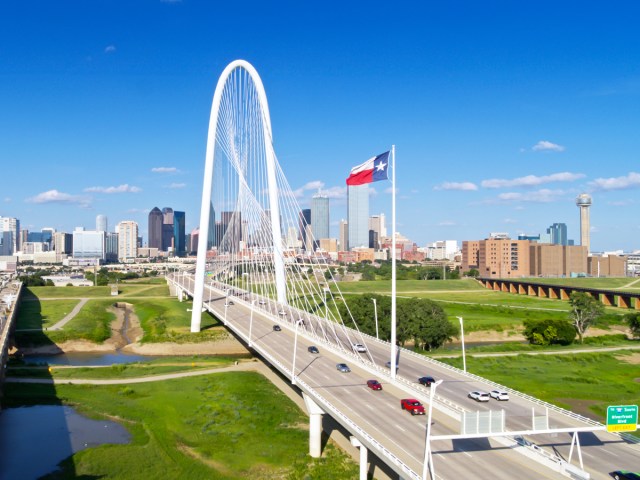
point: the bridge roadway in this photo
(379, 414)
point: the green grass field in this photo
(221, 426)
(585, 383)
(43, 314)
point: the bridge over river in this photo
(258, 268)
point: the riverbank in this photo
(126, 336)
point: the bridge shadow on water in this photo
(38, 433)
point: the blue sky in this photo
(501, 112)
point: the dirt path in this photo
(70, 315)
(546, 352)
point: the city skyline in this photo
(500, 117)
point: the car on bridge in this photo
(313, 349)
(388, 365)
(282, 312)
(479, 396)
(412, 405)
(229, 303)
(358, 347)
(262, 302)
(343, 367)
(426, 380)
(500, 395)
(625, 475)
(276, 328)
(374, 385)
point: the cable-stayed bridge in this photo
(258, 269)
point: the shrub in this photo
(549, 332)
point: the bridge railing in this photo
(451, 406)
(345, 421)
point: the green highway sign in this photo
(622, 418)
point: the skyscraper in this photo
(167, 229)
(376, 223)
(9, 235)
(343, 234)
(358, 216)
(127, 240)
(558, 234)
(101, 223)
(304, 222)
(180, 246)
(155, 228)
(320, 216)
(89, 244)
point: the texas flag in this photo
(373, 170)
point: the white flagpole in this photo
(393, 262)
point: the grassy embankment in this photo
(223, 426)
(162, 318)
(585, 383)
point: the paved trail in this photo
(70, 315)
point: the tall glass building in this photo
(320, 216)
(89, 244)
(101, 223)
(180, 245)
(358, 216)
(155, 229)
(558, 232)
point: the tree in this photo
(473, 273)
(633, 320)
(549, 332)
(585, 310)
(432, 328)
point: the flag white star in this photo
(380, 166)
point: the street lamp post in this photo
(464, 358)
(226, 306)
(251, 322)
(375, 312)
(295, 347)
(428, 460)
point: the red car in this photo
(412, 405)
(374, 385)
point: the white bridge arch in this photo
(240, 122)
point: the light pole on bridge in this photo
(295, 347)
(464, 358)
(428, 458)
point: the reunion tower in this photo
(583, 201)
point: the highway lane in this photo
(378, 413)
(602, 452)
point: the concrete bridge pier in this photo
(315, 426)
(180, 293)
(363, 457)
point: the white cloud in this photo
(139, 210)
(510, 220)
(546, 146)
(620, 203)
(447, 223)
(124, 188)
(177, 185)
(335, 192)
(314, 185)
(164, 170)
(531, 180)
(110, 49)
(7, 200)
(464, 186)
(632, 180)
(544, 195)
(54, 196)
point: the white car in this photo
(358, 347)
(499, 395)
(479, 396)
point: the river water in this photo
(33, 440)
(86, 359)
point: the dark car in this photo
(374, 385)
(625, 475)
(426, 381)
(230, 302)
(313, 349)
(342, 367)
(276, 328)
